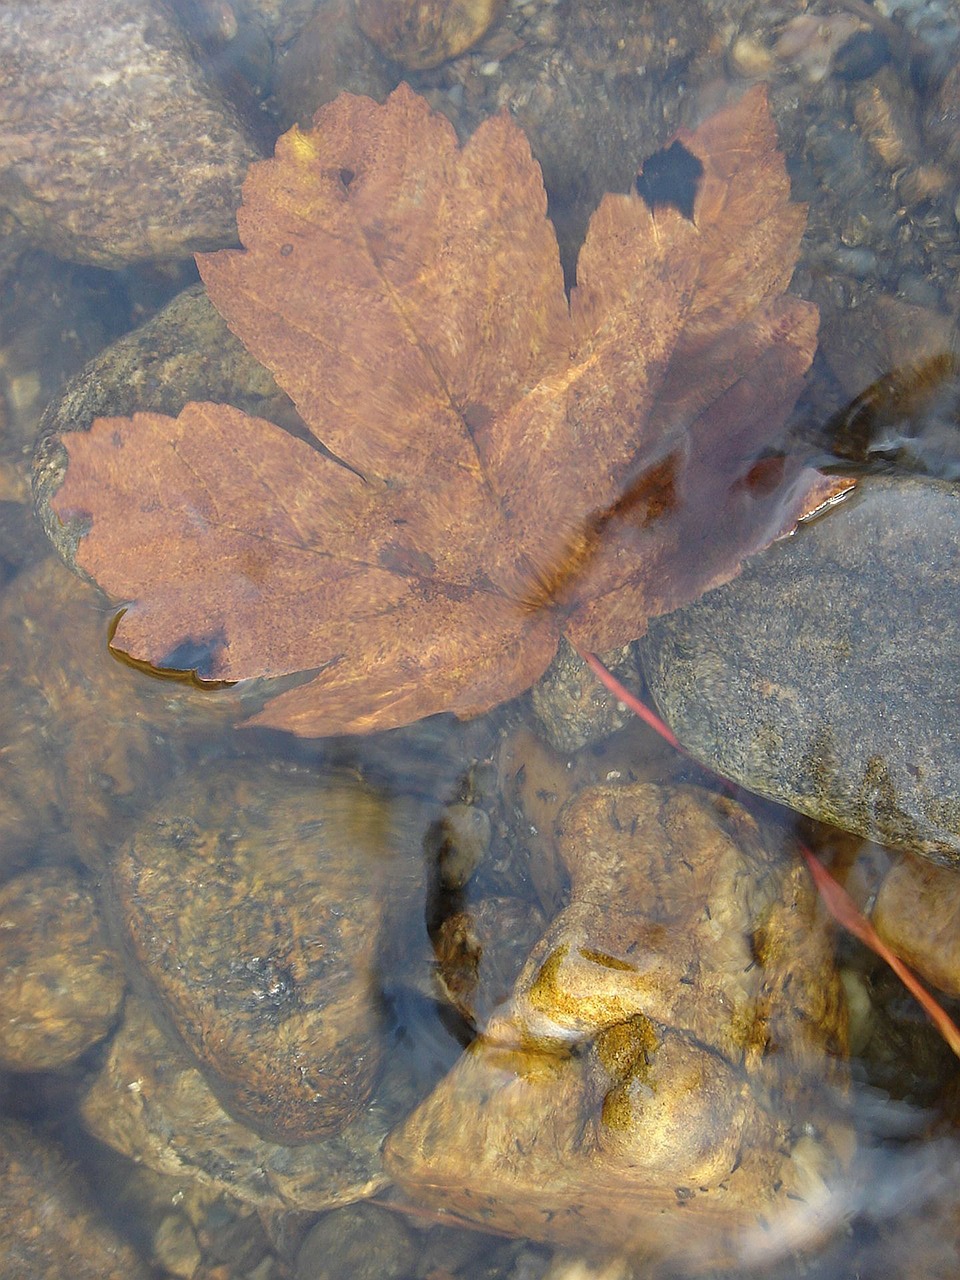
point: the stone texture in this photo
(364, 1242)
(151, 1103)
(625, 1092)
(114, 147)
(88, 744)
(61, 983)
(917, 913)
(253, 901)
(824, 677)
(419, 34)
(329, 55)
(573, 707)
(49, 1229)
(480, 950)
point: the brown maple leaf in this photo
(507, 465)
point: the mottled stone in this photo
(60, 981)
(825, 675)
(662, 1079)
(114, 147)
(175, 1246)
(14, 244)
(423, 33)
(253, 901)
(152, 1104)
(808, 44)
(480, 950)
(458, 841)
(943, 117)
(536, 782)
(54, 317)
(890, 334)
(329, 55)
(573, 707)
(49, 1227)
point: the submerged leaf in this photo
(498, 465)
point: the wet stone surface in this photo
(61, 983)
(363, 1242)
(917, 913)
(49, 1227)
(253, 902)
(88, 744)
(167, 190)
(876, 155)
(671, 1036)
(418, 35)
(173, 1123)
(824, 677)
(480, 950)
(571, 704)
(329, 55)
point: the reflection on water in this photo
(546, 1006)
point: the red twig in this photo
(846, 912)
(606, 677)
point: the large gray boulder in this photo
(825, 676)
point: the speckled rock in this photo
(151, 1103)
(824, 676)
(144, 160)
(573, 707)
(625, 1092)
(14, 243)
(890, 334)
(943, 117)
(480, 950)
(329, 55)
(423, 33)
(49, 1228)
(54, 317)
(61, 983)
(253, 901)
(880, 197)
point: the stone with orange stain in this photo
(663, 1076)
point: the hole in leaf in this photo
(670, 176)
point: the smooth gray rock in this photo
(825, 676)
